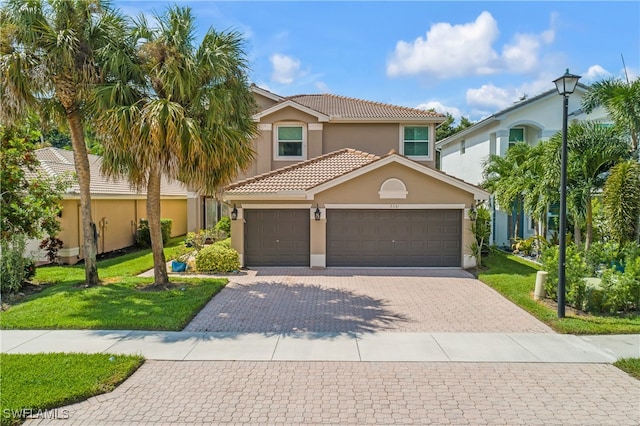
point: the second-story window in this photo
(290, 142)
(416, 141)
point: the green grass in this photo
(119, 303)
(46, 381)
(515, 279)
(630, 365)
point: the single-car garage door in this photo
(394, 238)
(277, 237)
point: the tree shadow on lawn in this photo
(289, 309)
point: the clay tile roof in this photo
(305, 175)
(58, 162)
(344, 107)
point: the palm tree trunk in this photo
(589, 214)
(81, 158)
(160, 275)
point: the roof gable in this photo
(328, 107)
(305, 179)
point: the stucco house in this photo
(339, 181)
(116, 207)
(529, 120)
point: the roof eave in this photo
(429, 120)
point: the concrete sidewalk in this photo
(301, 346)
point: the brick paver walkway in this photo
(285, 300)
(169, 392)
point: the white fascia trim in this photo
(275, 206)
(465, 132)
(478, 193)
(323, 118)
(396, 206)
(266, 94)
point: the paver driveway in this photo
(318, 393)
(288, 300)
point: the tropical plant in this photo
(592, 150)
(621, 99)
(621, 199)
(51, 53)
(177, 109)
(481, 229)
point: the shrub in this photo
(217, 258)
(224, 225)
(198, 239)
(143, 237)
(575, 271)
(622, 289)
(52, 245)
(225, 243)
(14, 267)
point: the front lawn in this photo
(121, 302)
(32, 383)
(515, 279)
(630, 365)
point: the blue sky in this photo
(465, 58)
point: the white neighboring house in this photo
(530, 120)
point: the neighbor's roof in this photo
(497, 115)
(305, 175)
(58, 162)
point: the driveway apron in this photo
(346, 300)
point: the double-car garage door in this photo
(390, 238)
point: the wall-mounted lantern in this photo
(234, 213)
(317, 214)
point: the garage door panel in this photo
(277, 237)
(394, 237)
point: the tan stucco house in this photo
(115, 206)
(339, 181)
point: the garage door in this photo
(276, 237)
(394, 238)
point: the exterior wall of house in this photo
(364, 190)
(116, 221)
(540, 119)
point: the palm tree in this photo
(621, 199)
(593, 149)
(50, 58)
(505, 177)
(622, 100)
(177, 110)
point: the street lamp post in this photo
(565, 85)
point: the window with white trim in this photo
(415, 141)
(290, 141)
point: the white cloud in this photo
(467, 49)
(441, 108)
(448, 50)
(285, 68)
(595, 73)
(490, 96)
